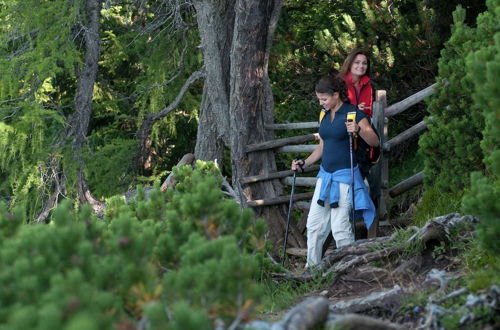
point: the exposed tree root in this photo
(309, 314)
(358, 322)
(365, 251)
(358, 257)
(348, 263)
(373, 300)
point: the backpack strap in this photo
(322, 115)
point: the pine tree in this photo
(483, 66)
(41, 61)
(38, 63)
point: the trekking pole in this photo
(351, 116)
(288, 217)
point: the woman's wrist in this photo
(302, 165)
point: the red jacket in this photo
(365, 93)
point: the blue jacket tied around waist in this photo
(329, 191)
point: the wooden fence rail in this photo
(301, 181)
(280, 199)
(401, 106)
(275, 175)
(312, 124)
(409, 133)
(282, 142)
(407, 184)
(301, 148)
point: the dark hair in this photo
(346, 67)
(331, 85)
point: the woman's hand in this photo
(352, 127)
(298, 165)
(361, 106)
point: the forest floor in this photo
(361, 282)
(397, 290)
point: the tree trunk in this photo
(83, 99)
(237, 101)
(78, 122)
(215, 21)
(209, 143)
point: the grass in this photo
(401, 169)
(401, 238)
(415, 302)
(481, 268)
(280, 296)
(436, 203)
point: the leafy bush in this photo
(174, 261)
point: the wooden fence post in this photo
(379, 174)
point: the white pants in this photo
(322, 218)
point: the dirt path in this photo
(383, 289)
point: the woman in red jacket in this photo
(356, 73)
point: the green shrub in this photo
(176, 261)
(484, 67)
(451, 146)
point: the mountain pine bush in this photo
(483, 65)
(461, 147)
(451, 146)
(177, 260)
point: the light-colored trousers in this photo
(323, 218)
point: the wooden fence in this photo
(379, 172)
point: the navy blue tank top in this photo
(336, 154)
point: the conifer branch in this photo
(177, 71)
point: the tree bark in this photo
(78, 122)
(236, 40)
(83, 99)
(215, 22)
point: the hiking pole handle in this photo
(351, 117)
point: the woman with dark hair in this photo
(356, 73)
(331, 202)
